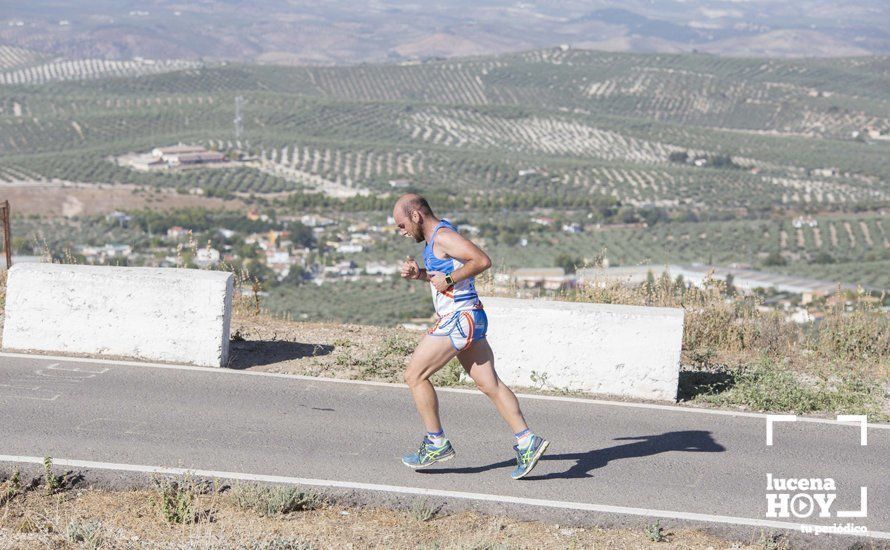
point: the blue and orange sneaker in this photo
(428, 454)
(527, 458)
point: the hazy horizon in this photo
(301, 32)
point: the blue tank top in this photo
(459, 297)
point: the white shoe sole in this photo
(420, 466)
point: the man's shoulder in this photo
(450, 230)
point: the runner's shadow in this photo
(691, 441)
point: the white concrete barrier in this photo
(600, 348)
(175, 315)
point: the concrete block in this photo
(599, 348)
(173, 315)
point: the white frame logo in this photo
(805, 497)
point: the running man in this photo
(452, 263)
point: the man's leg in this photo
(478, 361)
(431, 354)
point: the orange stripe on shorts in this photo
(469, 332)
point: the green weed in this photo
(655, 532)
(422, 510)
(52, 482)
(449, 375)
(91, 534)
(275, 500)
(176, 498)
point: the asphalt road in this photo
(663, 459)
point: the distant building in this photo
(175, 233)
(348, 248)
(278, 260)
(572, 228)
(745, 280)
(400, 183)
(175, 156)
(94, 254)
(377, 268)
(207, 257)
(804, 221)
(118, 217)
(548, 278)
(206, 157)
(825, 172)
(311, 220)
(342, 269)
(180, 149)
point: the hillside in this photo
(702, 142)
(574, 122)
(302, 32)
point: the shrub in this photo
(655, 532)
(276, 500)
(89, 533)
(719, 327)
(449, 375)
(861, 334)
(422, 510)
(175, 498)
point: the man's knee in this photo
(414, 375)
(488, 387)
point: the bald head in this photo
(411, 202)
(413, 214)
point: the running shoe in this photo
(527, 458)
(428, 454)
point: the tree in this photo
(653, 215)
(823, 258)
(679, 156)
(568, 263)
(775, 259)
(680, 283)
(650, 282)
(296, 276)
(262, 272)
(730, 287)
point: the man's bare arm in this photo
(475, 260)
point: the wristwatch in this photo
(449, 280)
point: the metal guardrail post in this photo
(7, 245)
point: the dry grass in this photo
(730, 329)
(737, 353)
(3, 275)
(754, 357)
(126, 519)
(85, 199)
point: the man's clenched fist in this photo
(410, 269)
